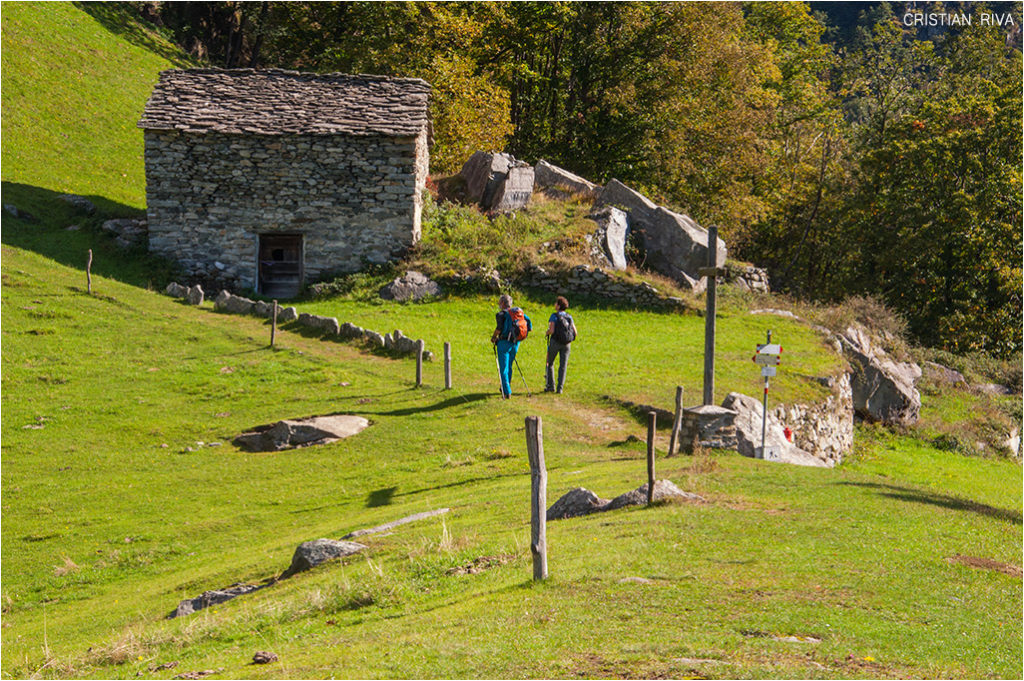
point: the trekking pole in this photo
(498, 365)
(528, 394)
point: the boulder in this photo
(748, 423)
(664, 490)
(291, 433)
(238, 305)
(576, 502)
(350, 330)
(672, 243)
(548, 175)
(79, 203)
(883, 389)
(16, 212)
(287, 314)
(195, 295)
(176, 290)
(328, 325)
(609, 242)
(373, 338)
(213, 597)
(312, 553)
(514, 191)
(480, 171)
(262, 308)
(411, 286)
(942, 374)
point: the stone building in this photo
(266, 179)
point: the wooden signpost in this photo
(767, 356)
(711, 272)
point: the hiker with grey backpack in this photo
(561, 333)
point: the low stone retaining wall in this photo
(824, 430)
(594, 281)
(225, 301)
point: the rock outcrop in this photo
(672, 243)
(497, 182)
(411, 286)
(289, 433)
(548, 176)
(883, 389)
(748, 423)
(608, 243)
(312, 553)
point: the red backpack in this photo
(517, 325)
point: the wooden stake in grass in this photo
(419, 362)
(538, 497)
(447, 366)
(273, 325)
(677, 422)
(88, 273)
(651, 419)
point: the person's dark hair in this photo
(561, 303)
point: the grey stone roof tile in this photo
(278, 102)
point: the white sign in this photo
(768, 453)
(767, 360)
(768, 371)
(769, 349)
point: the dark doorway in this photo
(280, 265)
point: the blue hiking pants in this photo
(506, 357)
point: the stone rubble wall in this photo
(748, 278)
(594, 281)
(226, 302)
(355, 200)
(825, 430)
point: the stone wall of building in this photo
(354, 199)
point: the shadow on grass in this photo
(48, 236)
(443, 404)
(380, 497)
(117, 18)
(936, 499)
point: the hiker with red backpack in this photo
(561, 332)
(511, 327)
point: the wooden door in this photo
(280, 265)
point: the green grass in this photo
(113, 511)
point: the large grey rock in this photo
(350, 330)
(291, 433)
(214, 597)
(673, 244)
(287, 314)
(79, 203)
(16, 212)
(610, 237)
(664, 490)
(548, 175)
(481, 172)
(195, 295)
(226, 302)
(176, 290)
(312, 553)
(883, 389)
(576, 502)
(130, 232)
(748, 423)
(411, 286)
(373, 338)
(328, 325)
(514, 191)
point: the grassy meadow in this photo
(122, 493)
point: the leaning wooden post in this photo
(88, 273)
(677, 422)
(419, 362)
(651, 419)
(273, 325)
(538, 497)
(447, 366)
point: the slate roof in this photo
(278, 102)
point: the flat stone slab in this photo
(213, 597)
(289, 434)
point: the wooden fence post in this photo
(447, 366)
(273, 325)
(651, 418)
(88, 273)
(538, 497)
(677, 423)
(419, 362)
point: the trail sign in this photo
(767, 360)
(767, 371)
(769, 349)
